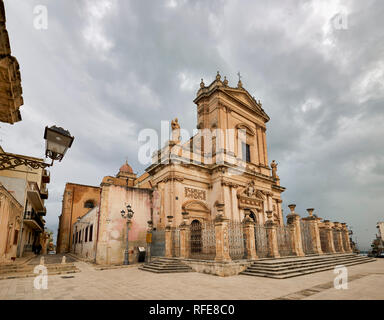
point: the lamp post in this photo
(58, 140)
(127, 214)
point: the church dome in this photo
(126, 168)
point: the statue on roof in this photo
(175, 124)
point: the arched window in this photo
(89, 204)
(253, 216)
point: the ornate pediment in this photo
(243, 97)
(250, 197)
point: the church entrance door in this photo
(196, 243)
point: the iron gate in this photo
(284, 241)
(202, 240)
(306, 237)
(158, 243)
(261, 241)
(236, 240)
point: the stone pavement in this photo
(366, 281)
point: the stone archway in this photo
(197, 210)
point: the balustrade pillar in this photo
(249, 234)
(293, 221)
(168, 238)
(184, 237)
(315, 232)
(329, 237)
(270, 226)
(339, 236)
(346, 242)
(222, 241)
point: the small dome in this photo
(126, 168)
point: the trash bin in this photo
(141, 254)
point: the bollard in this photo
(63, 260)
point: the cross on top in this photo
(239, 75)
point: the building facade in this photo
(10, 225)
(77, 201)
(213, 197)
(29, 188)
(10, 81)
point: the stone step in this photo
(31, 267)
(16, 275)
(299, 264)
(155, 270)
(169, 268)
(166, 265)
(301, 271)
(288, 260)
(299, 268)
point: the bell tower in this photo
(238, 116)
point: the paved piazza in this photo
(366, 281)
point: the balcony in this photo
(33, 194)
(33, 220)
(46, 178)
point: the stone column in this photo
(293, 221)
(184, 237)
(337, 227)
(149, 241)
(249, 234)
(168, 237)
(346, 242)
(315, 232)
(329, 233)
(270, 226)
(222, 243)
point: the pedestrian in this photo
(39, 247)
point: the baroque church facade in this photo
(231, 173)
(215, 196)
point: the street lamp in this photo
(58, 140)
(127, 214)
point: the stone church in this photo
(214, 197)
(232, 174)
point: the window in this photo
(246, 152)
(86, 234)
(90, 232)
(77, 237)
(89, 204)
(73, 238)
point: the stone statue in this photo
(175, 124)
(250, 191)
(274, 169)
(175, 130)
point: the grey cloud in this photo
(330, 156)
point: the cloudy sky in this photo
(106, 69)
